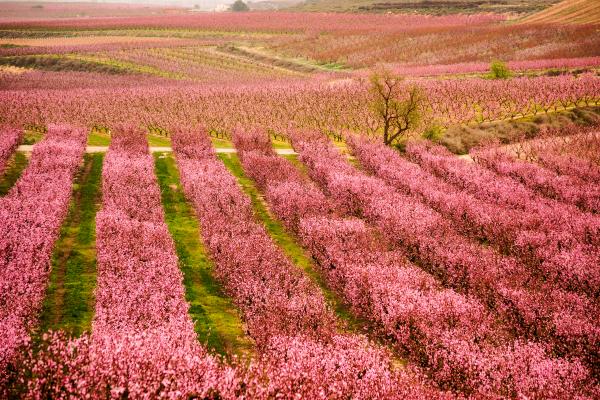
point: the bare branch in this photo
(397, 115)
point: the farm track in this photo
(153, 149)
(288, 244)
(69, 302)
(16, 165)
(217, 321)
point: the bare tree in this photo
(398, 106)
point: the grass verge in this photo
(32, 137)
(159, 141)
(98, 139)
(69, 303)
(12, 172)
(217, 321)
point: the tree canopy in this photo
(239, 6)
(396, 104)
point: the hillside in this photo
(436, 7)
(569, 11)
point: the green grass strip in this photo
(69, 303)
(32, 137)
(159, 141)
(98, 139)
(103, 139)
(217, 321)
(288, 244)
(12, 172)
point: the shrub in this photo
(499, 70)
(239, 6)
(434, 132)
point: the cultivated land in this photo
(570, 11)
(434, 7)
(217, 205)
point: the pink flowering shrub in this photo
(30, 218)
(572, 151)
(9, 140)
(150, 364)
(347, 367)
(488, 186)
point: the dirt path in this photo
(26, 148)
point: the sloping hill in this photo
(570, 12)
(436, 7)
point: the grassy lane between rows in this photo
(97, 138)
(288, 244)
(12, 172)
(221, 143)
(217, 320)
(69, 303)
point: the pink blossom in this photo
(451, 337)
(30, 218)
(9, 140)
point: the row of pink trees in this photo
(450, 336)
(573, 151)
(481, 100)
(482, 67)
(568, 189)
(569, 165)
(30, 218)
(265, 21)
(9, 140)
(322, 106)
